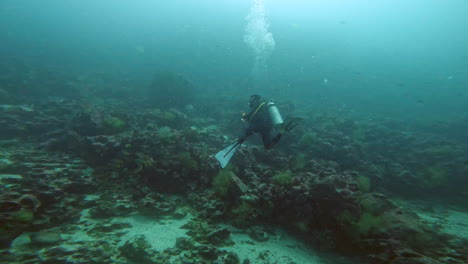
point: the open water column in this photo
(259, 40)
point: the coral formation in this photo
(84, 164)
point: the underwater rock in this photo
(114, 124)
(184, 243)
(39, 190)
(179, 213)
(10, 178)
(164, 208)
(138, 250)
(107, 228)
(88, 122)
(375, 203)
(228, 258)
(17, 213)
(161, 150)
(188, 258)
(257, 234)
(207, 252)
(208, 206)
(101, 149)
(5, 164)
(415, 260)
(107, 209)
(237, 188)
(45, 238)
(219, 236)
(19, 121)
(9, 206)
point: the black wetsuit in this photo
(260, 122)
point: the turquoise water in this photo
(391, 58)
(111, 113)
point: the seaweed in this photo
(369, 223)
(188, 161)
(433, 176)
(283, 178)
(364, 183)
(222, 181)
(242, 214)
(114, 124)
(309, 140)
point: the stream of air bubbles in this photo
(259, 40)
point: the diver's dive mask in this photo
(255, 100)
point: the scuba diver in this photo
(264, 118)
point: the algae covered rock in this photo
(258, 234)
(207, 252)
(219, 236)
(179, 213)
(113, 124)
(184, 243)
(231, 258)
(138, 250)
(45, 238)
(5, 164)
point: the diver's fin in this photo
(291, 124)
(226, 154)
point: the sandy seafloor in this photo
(280, 248)
(447, 218)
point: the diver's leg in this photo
(273, 135)
(276, 139)
(270, 138)
(266, 138)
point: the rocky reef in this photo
(74, 170)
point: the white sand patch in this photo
(452, 221)
(160, 234)
(457, 224)
(280, 249)
(74, 237)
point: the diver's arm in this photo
(248, 132)
(246, 116)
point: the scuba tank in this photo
(274, 114)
